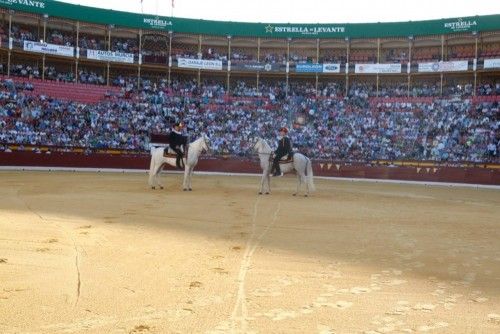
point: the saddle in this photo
(285, 160)
(169, 153)
(179, 161)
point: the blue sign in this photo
(309, 68)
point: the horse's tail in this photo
(309, 175)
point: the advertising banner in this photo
(258, 67)
(331, 68)
(202, 64)
(308, 68)
(53, 49)
(492, 63)
(377, 68)
(444, 66)
(120, 57)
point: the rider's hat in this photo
(179, 124)
(284, 129)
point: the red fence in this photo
(475, 175)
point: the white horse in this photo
(300, 164)
(158, 160)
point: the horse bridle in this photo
(263, 152)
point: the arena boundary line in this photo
(347, 179)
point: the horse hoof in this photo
(184, 189)
(153, 188)
(260, 193)
(294, 194)
(190, 189)
(305, 195)
(267, 193)
(161, 187)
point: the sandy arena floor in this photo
(102, 253)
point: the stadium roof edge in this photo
(245, 29)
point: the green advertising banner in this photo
(268, 30)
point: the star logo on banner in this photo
(269, 28)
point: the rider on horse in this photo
(176, 141)
(284, 148)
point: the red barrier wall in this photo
(475, 175)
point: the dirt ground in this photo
(103, 253)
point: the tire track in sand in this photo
(240, 312)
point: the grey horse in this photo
(300, 164)
(158, 160)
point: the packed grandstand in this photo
(431, 94)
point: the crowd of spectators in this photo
(51, 73)
(327, 126)
(489, 88)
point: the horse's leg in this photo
(262, 180)
(151, 173)
(158, 172)
(304, 178)
(299, 181)
(268, 179)
(186, 176)
(154, 177)
(157, 175)
(191, 170)
(306, 182)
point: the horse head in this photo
(261, 146)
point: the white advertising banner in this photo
(377, 68)
(331, 68)
(53, 49)
(444, 66)
(202, 64)
(492, 63)
(120, 57)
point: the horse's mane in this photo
(197, 140)
(265, 146)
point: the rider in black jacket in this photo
(284, 148)
(177, 141)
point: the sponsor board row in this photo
(205, 64)
(69, 51)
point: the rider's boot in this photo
(277, 171)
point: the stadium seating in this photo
(341, 113)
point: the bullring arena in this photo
(398, 121)
(103, 253)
